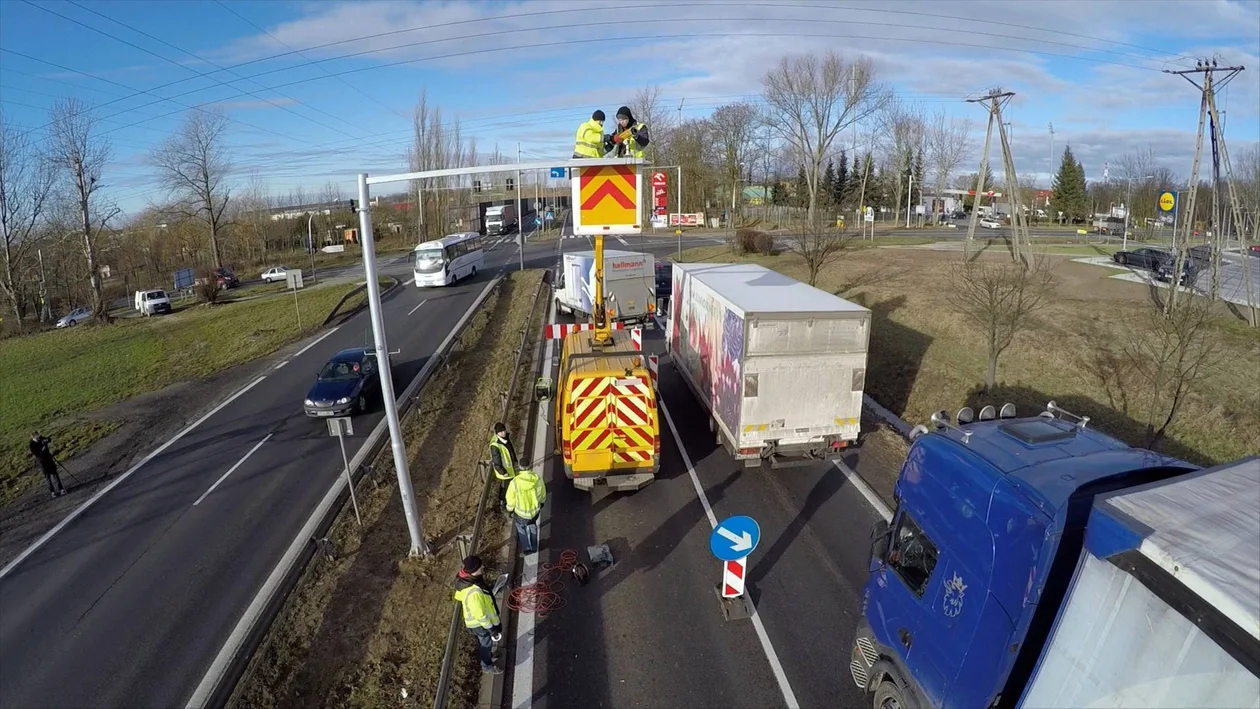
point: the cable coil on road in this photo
(543, 596)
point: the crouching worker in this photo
(481, 615)
(526, 494)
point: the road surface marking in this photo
(865, 489)
(232, 469)
(317, 340)
(417, 307)
(623, 241)
(92, 500)
(281, 364)
(523, 673)
(771, 656)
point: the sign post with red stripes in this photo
(731, 542)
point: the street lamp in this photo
(1128, 209)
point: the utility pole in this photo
(1050, 172)
(1021, 243)
(520, 214)
(1209, 117)
(909, 191)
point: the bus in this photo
(447, 260)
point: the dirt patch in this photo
(367, 627)
(925, 357)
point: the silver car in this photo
(74, 317)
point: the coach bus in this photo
(447, 260)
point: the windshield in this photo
(340, 370)
(430, 260)
(157, 295)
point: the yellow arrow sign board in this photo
(606, 200)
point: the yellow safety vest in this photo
(479, 609)
(632, 148)
(590, 140)
(526, 494)
(509, 465)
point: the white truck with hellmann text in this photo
(780, 365)
(629, 285)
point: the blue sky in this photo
(530, 71)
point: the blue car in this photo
(348, 384)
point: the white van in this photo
(149, 302)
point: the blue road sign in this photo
(184, 279)
(537, 221)
(557, 172)
(734, 538)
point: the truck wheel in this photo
(888, 696)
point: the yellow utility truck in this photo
(607, 425)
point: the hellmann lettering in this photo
(618, 265)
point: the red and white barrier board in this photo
(733, 577)
(559, 332)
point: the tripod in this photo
(67, 471)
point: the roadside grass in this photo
(924, 357)
(369, 623)
(57, 377)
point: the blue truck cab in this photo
(968, 579)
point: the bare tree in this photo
(648, 107)
(332, 193)
(947, 143)
(810, 101)
(26, 186)
(902, 136)
(252, 208)
(80, 154)
(1166, 356)
(818, 245)
(734, 125)
(999, 298)
(194, 167)
(436, 146)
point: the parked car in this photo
(1189, 271)
(1146, 257)
(275, 273)
(151, 302)
(348, 384)
(988, 223)
(74, 317)
(226, 278)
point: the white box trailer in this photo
(629, 285)
(1164, 604)
(779, 364)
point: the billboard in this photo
(660, 193)
(696, 219)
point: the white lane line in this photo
(409, 312)
(857, 482)
(771, 656)
(117, 481)
(523, 674)
(232, 469)
(281, 364)
(316, 341)
(627, 243)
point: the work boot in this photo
(492, 670)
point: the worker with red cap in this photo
(481, 615)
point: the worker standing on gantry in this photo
(631, 136)
(591, 141)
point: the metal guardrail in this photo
(229, 667)
(452, 638)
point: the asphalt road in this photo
(650, 631)
(130, 602)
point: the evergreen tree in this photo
(777, 193)
(801, 196)
(1069, 195)
(828, 186)
(917, 195)
(840, 189)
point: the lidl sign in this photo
(607, 198)
(1168, 201)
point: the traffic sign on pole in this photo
(557, 172)
(734, 538)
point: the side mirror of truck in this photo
(543, 389)
(879, 542)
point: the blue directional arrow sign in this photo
(734, 538)
(557, 172)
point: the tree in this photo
(26, 187)
(80, 155)
(734, 125)
(829, 184)
(916, 195)
(801, 197)
(809, 101)
(998, 299)
(946, 144)
(840, 188)
(647, 107)
(818, 246)
(1069, 195)
(193, 166)
(901, 136)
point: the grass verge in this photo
(924, 357)
(367, 627)
(66, 374)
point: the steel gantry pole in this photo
(418, 546)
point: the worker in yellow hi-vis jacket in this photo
(591, 141)
(481, 615)
(526, 494)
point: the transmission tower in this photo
(1021, 245)
(1204, 77)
